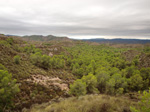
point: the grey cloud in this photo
(76, 18)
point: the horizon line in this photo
(84, 37)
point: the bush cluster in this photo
(8, 88)
(31, 49)
(46, 61)
(85, 85)
(144, 104)
(17, 59)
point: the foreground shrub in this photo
(88, 103)
(144, 104)
(78, 88)
(8, 88)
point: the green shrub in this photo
(8, 88)
(17, 59)
(36, 58)
(144, 104)
(85, 84)
(110, 86)
(61, 63)
(40, 60)
(120, 91)
(136, 82)
(78, 88)
(91, 82)
(2, 67)
(145, 73)
(102, 78)
(10, 41)
(45, 62)
(146, 49)
(31, 49)
(4, 43)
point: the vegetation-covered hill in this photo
(16, 56)
(46, 70)
(45, 38)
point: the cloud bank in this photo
(76, 18)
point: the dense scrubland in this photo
(95, 77)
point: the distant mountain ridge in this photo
(97, 40)
(44, 38)
(119, 40)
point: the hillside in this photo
(26, 70)
(48, 71)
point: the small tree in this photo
(102, 78)
(91, 82)
(78, 88)
(110, 86)
(45, 61)
(17, 59)
(136, 82)
(145, 73)
(8, 88)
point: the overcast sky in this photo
(76, 18)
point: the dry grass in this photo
(88, 103)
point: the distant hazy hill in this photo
(44, 38)
(123, 41)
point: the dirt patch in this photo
(130, 54)
(50, 54)
(47, 81)
(144, 61)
